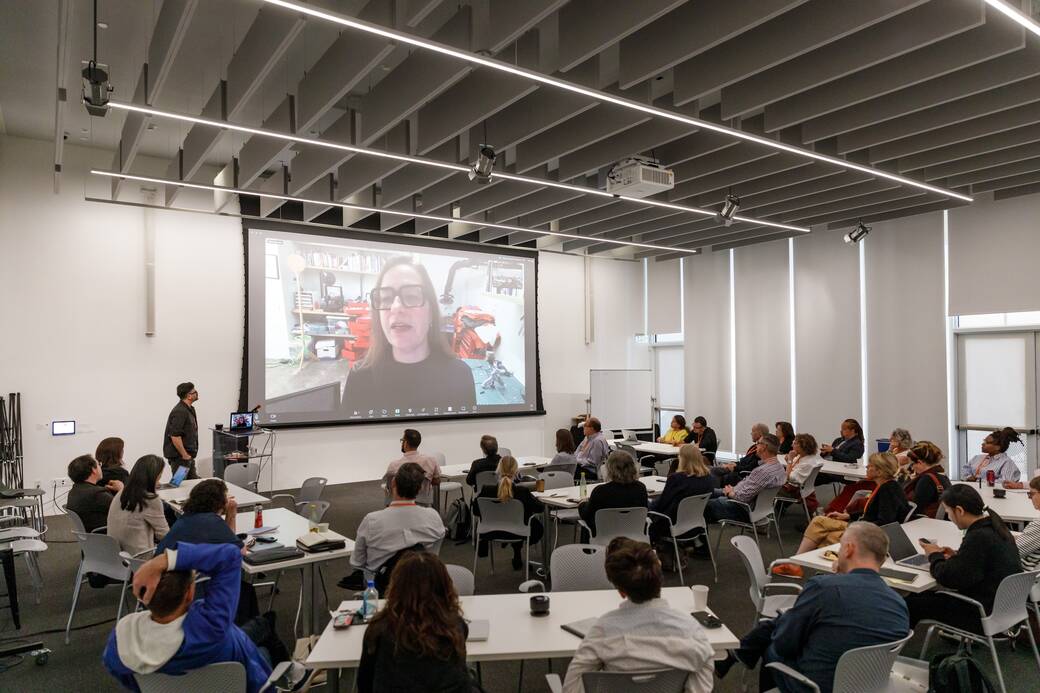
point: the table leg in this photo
(315, 602)
(12, 586)
(545, 539)
(332, 677)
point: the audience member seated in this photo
(847, 448)
(487, 463)
(929, 481)
(401, 525)
(704, 437)
(1029, 540)
(886, 504)
(691, 478)
(178, 634)
(417, 641)
(109, 455)
(899, 444)
(593, 449)
(508, 489)
(768, 474)
(86, 498)
(564, 450)
(622, 490)
(135, 517)
(410, 442)
(986, 556)
(994, 458)
(785, 434)
(644, 633)
(201, 523)
(676, 434)
(833, 614)
(729, 472)
(801, 461)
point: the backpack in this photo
(957, 673)
(459, 521)
(383, 572)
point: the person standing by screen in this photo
(409, 364)
(181, 438)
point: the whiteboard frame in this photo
(648, 423)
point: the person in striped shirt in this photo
(1029, 540)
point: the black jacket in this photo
(982, 561)
(748, 462)
(386, 667)
(484, 464)
(113, 474)
(923, 491)
(91, 503)
(708, 443)
(846, 450)
(183, 423)
(889, 505)
(678, 488)
(785, 446)
(612, 495)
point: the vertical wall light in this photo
(953, 440)
(732, 350)
(790, 329)
(863, 339)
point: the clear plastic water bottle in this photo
(370, 600)
(583, 493)
(312, 516)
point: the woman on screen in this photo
(409, 364)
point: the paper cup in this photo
(700, 597)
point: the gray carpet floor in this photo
(77, 666)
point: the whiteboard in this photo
(622, 398)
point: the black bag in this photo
(459, 521)
(382, 574)
(957, 673)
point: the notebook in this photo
(580, 628)
(479, 630)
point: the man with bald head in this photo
(833, 614)
(729, 473)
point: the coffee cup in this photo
(700, 597)
(539, 485)
(999, 493)
(539, 604)
(219, 427)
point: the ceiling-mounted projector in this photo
(639, 176)
(96, 88)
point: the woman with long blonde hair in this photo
(507, 490)
(691, 478)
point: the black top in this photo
(785, 446)
(889, 505)
(386, 668)
(440, 381)
(91, 503)
(532, 506)
(981, 562)
(748, 462)
(678, 487)
(708, 442)
(612, 495)
(846, 450)
(198, 528)
(484, 464)
(923, 490)
(113, 474)
(182, 422)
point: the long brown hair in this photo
(422, 612)
(380, 350)
(564, 441)
(109, 452)
(507, 467)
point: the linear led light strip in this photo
(433, 163)
(362, 208)
(493, 64)
(1015, 15)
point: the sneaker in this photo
(295, 677)
(788, 570)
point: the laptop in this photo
(178, 477)
(902, 549)
(628, 436)
(241, 421)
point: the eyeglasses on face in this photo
(411, 296)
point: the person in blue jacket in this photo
(178, 633)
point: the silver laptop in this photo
(902, 549)
(629, 436)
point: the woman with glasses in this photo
(929, 481)
(409, 364)
(994, 458)
(1029, 540)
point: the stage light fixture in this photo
(729, 209)
(857, 234)
(481, 171)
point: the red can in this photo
(258, 520)
(991, 477)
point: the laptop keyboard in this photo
(918, 561)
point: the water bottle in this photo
(312, 516)
(258, 517)
(583, 493)
(369, 600)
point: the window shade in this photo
(663, 287)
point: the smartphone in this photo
(926, 540)
(830, 555)
(267, 540)
(707, 620)
(343, 620)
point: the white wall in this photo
(73, 342)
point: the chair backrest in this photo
(868, 669)
(101, 555)
(579, 567)
(557, 479)
(911, 511)
(764, 504)
(486, 479)
(752, 559)
(1009, 604)
(74, 518)
(318, 507)
(662, 467)
(462, 578)
(312, 489)
(439, 456)
(690, 514)
(808, 487)
(222, 676)
(502, 452)
(620, 522)
(940, 512)
(506, 516)
(243, 474)
(629, 449)
(566, 467)
(657, 681)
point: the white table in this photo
(291, 526)
(526, 463)
(242, 496)
(854, 471)
(514, 633)
(647, 447)
(943, 532)
(1015, 506)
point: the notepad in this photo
(479, 630)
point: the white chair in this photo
(446, 485)
(573, 568)
(25, 541)
(859, 670)
(462, 578)
(313, 510)
(77, 522)
(567, 467)
(1009, 610)
(807, 488)
(557, 479)
(506, 517)
(763, 512)
(940, 513)
(485, 479)
(662, 467)
(641, 461)
(222, 676)
(766, 605)
(100, 556)
(656, 681)
(910, 513)
(504, 452)
(310, 490)
(689, 518)
(620, 522)
(243, 474)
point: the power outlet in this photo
(61, 482)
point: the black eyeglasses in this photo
(411, 296)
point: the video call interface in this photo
(354, 330)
